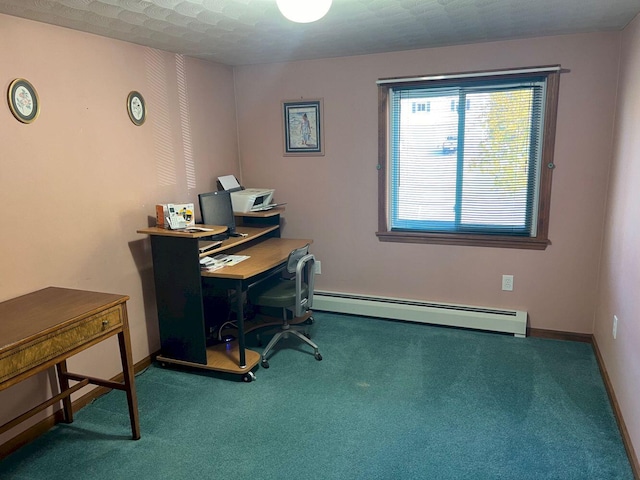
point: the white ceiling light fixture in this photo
(304, 11)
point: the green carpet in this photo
(389, 400)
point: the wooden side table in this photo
(44, 328)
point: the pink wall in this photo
(619, 289)
(83, 178)
(78, 182)
(333, 199)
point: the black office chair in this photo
(291, 292)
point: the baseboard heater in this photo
(452, 315)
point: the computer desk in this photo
(180, 293)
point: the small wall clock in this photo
(23, 100)
(136, 108)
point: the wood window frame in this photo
(539, 242)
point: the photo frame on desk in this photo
(303, 128)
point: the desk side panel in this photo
(179, 298)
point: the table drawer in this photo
(45, 348)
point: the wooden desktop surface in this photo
(44, 328)
(214, 230)
(272, 212)
(263, 256)
(46, 311)
(252, 234)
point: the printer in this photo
(252, 199)
(246, 200)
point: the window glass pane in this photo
(473, 169)
(424, 179)
(497, 162)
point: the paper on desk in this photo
(211, 268)
(235, 259)
(229, 182)
(220, 261)
(198, 229)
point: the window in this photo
(479, 175)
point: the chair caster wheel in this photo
(318, 356)
(309, 321)
(307, 334)
(248, 377)
(264, 364)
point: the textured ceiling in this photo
(238, 32)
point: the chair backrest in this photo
(302, 264)
(294, 256)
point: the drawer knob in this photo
(105, 323)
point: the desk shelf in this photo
(267, 217)
(232, 243)
(222, 357)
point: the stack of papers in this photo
(194, 228)
(229, 182)
(220, 261)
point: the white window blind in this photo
(472, 163)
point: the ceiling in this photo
(240, 32)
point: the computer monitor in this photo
(216, 209)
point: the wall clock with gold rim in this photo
(23, 100)
(136, 108)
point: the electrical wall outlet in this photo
(507, 283)
(615, 326)
(318, 267)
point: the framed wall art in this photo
(136, 108)
(23, 100)
(303, 129)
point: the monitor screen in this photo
(216, 209)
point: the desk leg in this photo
(240, 313)
(129, 382)
(63, 381)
